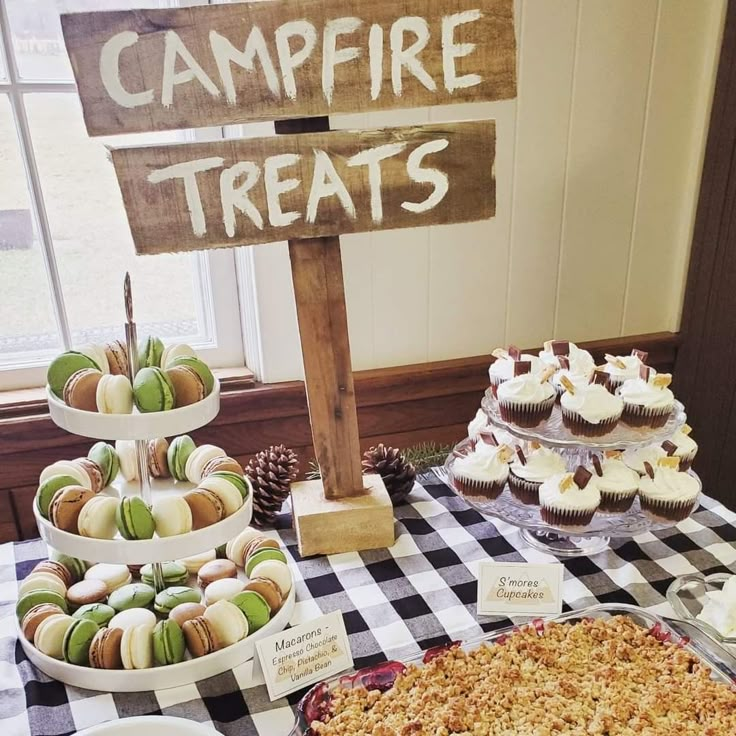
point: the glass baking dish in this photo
(382, 676)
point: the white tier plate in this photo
(141, 551)
(159, 678)
(134, 426)
(149, 726)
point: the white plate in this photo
(141, 551)
(149, 726)
(134, 426)
(158, 678)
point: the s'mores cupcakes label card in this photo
(508, 588)
(306, 654)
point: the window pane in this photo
(91, 236)
(27, 324)
(36, 31)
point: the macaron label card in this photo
(506, 588)
(304, 655)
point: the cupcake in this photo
(527, 399)
(621, 368)
(590, 410)
(579, 361)
(667, 492)
(503, 367)
(635, 458)
(617, 483)
(684, 446)
(482, 473)
(569, 499)
(647, 400)
(529, 471)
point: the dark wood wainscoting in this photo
(400, 406)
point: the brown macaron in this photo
(186, 612)
(206, 507)
(104, 651)
(80, 389)
(158, 465)
(200, 637)
(189, 388)
(269, 590)
(51, 567)
(117, 358)
(86, 591)
(93, 470)
(257, 544)
(32, 620)
(222, 463)
(66, 505)
(216, 570)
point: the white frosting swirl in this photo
(669, 484)
(631, 367)
(478, 424)
(686, 445)
(581, 361)
(594, 403)
(636, 457)
(540, 465)
(720, 611)
(502, 369)
(526, 389)
(573, 499)
(617, 477)
(483, 465)
(644, 393)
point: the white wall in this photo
(598, 165)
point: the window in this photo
(65, 245)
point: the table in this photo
(396, 602)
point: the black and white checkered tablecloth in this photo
(395, 601)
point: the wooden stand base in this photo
(325, 526)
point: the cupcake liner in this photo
(484, 489)
(636, 415)
(526, 491)
(616, 503)
(669, 510)
(495, 383)
(526, 415)
(566, 517)
(577, 425)
(613, 383)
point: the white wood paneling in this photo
(598, 164)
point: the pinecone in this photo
(271, 473)
(398, 474)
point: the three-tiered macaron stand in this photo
(141, 428)
(575, 450)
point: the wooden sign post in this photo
(295, 62)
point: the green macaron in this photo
(239, 481)
(77, 640)
(36, 597)
(100, 613)
(174, 573)
(153, 391)
(48, 488)
(150, 352)
(263, 554)
(63, 366)
(168, 643)
(75, 566)
(171, 597)
(134, 518)
(254, 608)
(199, 367)
(133, 595)
(177, 455)
(107, 460)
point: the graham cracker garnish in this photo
(662, 380)
(500, 353)
(641, 354)
(669, 462)
(505, 453)
(686, 429)
(597, 465)
(582, 477)
(669, 447)
(612, 454)
(546, 374)
(566, 483)
(534, 445)
(514, 352)
(568, 384)
(615, 360)
(560, 347)
(649, 469)
(522, 367)
(520, 454)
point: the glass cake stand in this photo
(558, 541)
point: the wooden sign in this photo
(245, 191)
(144, 70)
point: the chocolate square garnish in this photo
(644, 371)
(649, 469)
(522, 367)
(489, 438)
(582, 477)
(520, 454)
(564, 362)
(560, 347)
(669, 447)
(597, 465)
(514, 352)
(641, 354)
(600, 377)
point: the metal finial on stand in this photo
(141, 446)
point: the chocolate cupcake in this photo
(527, 399)
(482, 473)
(682, 445)
(668, 493)
(569, 500)
(622, 368)
(503, 367)
(617, 483)
(528, 472)
(590, 411)
(647, 400)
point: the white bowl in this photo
(149, 726)
(134, 426)
(158, 678)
